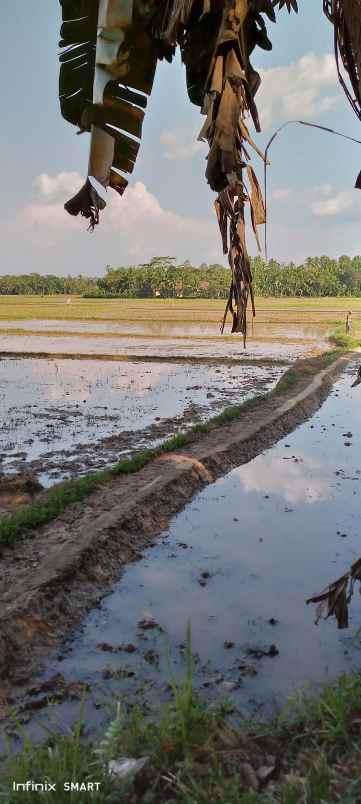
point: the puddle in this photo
(238, 563)
(65, 417)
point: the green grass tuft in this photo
(61, 759)
(195, 755)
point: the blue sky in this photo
(168, 207)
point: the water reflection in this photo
(297, 479)
(239, 563)
(171, 329)
(65, 417)
(124, 345)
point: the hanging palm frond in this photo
(107, 71)
(345, 15)
(227, 96)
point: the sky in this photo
(168, 206)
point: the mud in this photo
(50, 580)
(17, 491)
(267, 326)
(65, 417)
(292, 342)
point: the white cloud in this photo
(323, 189)
(47, 209)
(281, 193)
(180, 144)
(345, 204)
(59, 184)
(144, 226)
(339, 203)
(47, 215)
(323, 201)
(299, 90)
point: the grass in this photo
(196, 755)
(54, 503)
(340, 339)
(62, 760)
(276, 310)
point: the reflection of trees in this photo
(335, 599)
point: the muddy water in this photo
(120, 345)
(64, 417)
(169, 329)
(238, 563)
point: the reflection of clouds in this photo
(300, 482)
(144, 382)
(96, 380)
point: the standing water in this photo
(238, 563)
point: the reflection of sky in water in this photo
(298, 478)
(48, 405)
(152, 347)
(269, 534)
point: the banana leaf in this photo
(121, 112)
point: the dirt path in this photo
(50, 580)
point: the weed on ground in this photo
(311, 754)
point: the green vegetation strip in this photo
(343, 341)
(194, 754)
(163, 278)
(13, 526)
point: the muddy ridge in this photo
(53, 576)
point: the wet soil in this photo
(61, 418)
(50, 580)
(152, 339)
(17, 491)
(264, 326)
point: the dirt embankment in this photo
(52, 577)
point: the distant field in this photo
(276, 310)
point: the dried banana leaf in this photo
(107, 67)
(334, 601)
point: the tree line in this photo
(163, 278)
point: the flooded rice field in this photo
(127, 345)
(165, 329)
(78, 395)
(238, 564)
(63, 417)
